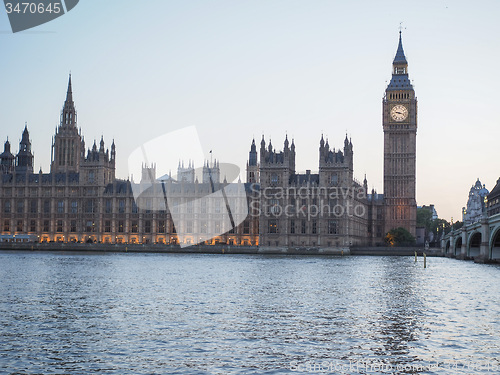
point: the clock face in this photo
(399, 112)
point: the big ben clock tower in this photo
(400, 136)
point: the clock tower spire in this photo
(400, 136)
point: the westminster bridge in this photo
(479, 241)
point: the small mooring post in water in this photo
(415, 257)
(425, 260)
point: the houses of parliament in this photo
(81, 200)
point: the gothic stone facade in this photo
(82, 200)
(400, 135)
(328, 209)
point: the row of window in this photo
(301, 227)
(275, 179)
(91, 226)
(399, 95)
(48, 192)
(91, 205)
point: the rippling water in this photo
(237, 314)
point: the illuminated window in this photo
(135, 227)
(273, 226)
(161, 226)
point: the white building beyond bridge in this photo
(479, 238)
(476, 203)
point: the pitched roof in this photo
(400, 57)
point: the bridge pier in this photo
(451, 252)
(463, 248)
(484, 249)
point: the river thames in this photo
(120, 313)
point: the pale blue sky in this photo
(236, 69)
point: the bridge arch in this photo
(495, 244)
(474, 248)
(458, 246)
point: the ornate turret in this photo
(277, 166)
(7, 158)
(186, 174)
(335, 167)
(252, 155)
(113, 152)
(68, 147)
(24, 158)
(252, 164)
(211, 172)
(68, 114)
